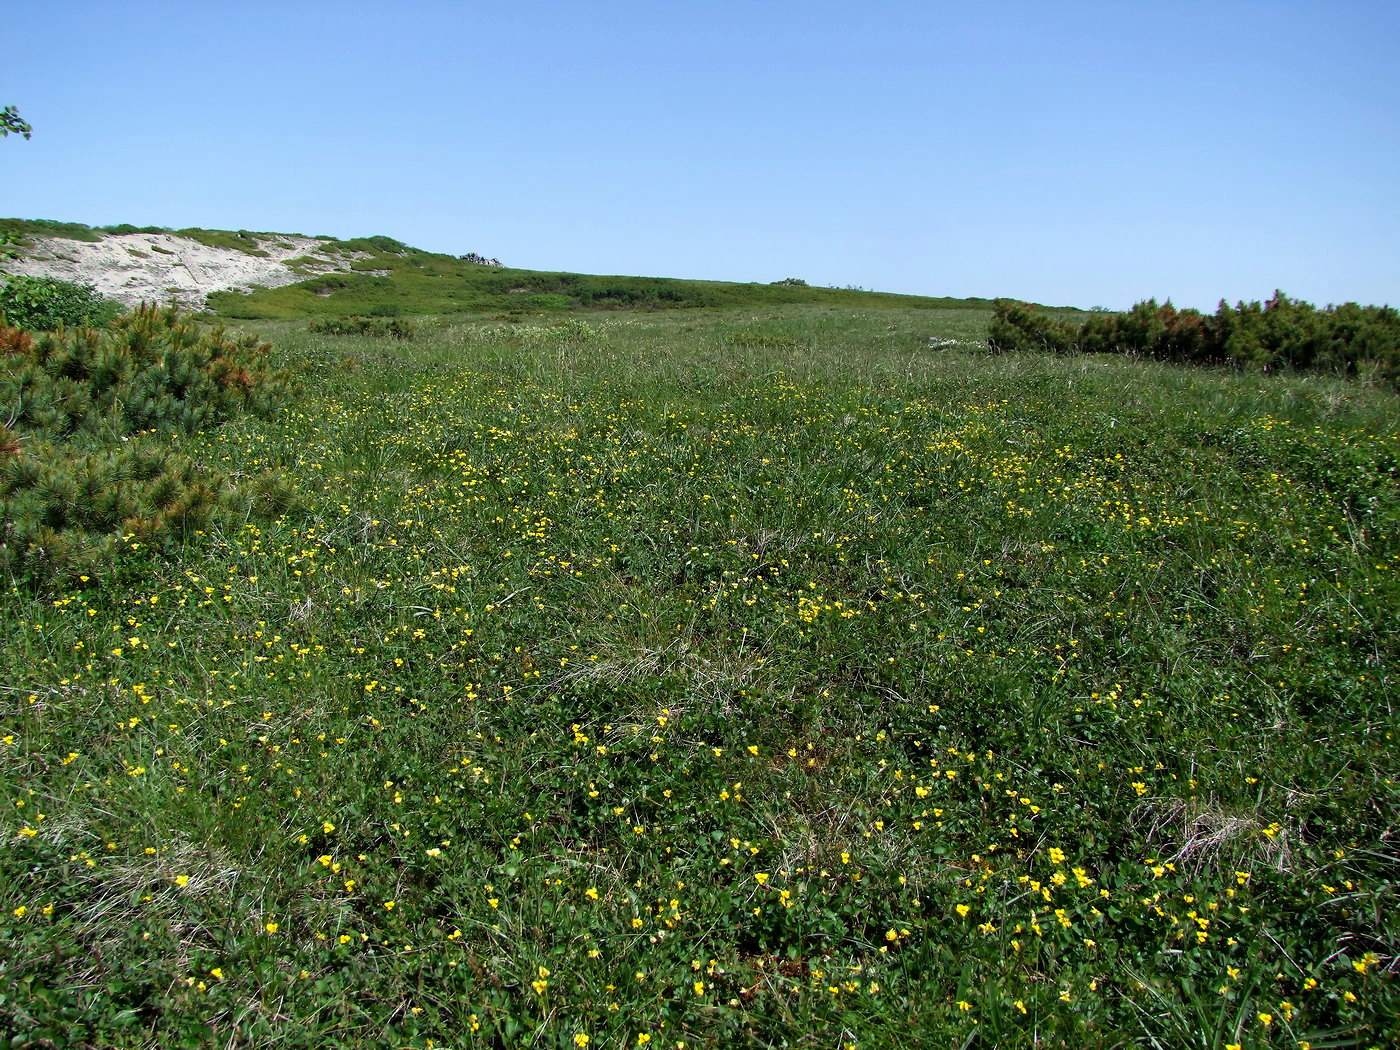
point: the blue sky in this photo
(1067, 153)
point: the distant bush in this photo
(73, 231)
(81, 469)
(1280, 333)
(791, 282)
(42, 304)
(385, 310)
(243, 241)
(376, 244)
(480, 260)
(336, 281)
(126, 227)
(396, 328)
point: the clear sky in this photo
(1064, 152)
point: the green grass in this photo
(420, 282)
(775, 676)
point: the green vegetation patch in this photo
(427, 283)
(375, 326)
(73, 231)
(86, 465)
(44, 303)
(243, 241)
(1280, 333)
(624, 683)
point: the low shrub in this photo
(376, 245)
(395, 328)
(83, 467)
(42, 304)
(1279, 333)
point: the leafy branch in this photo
(10, 120)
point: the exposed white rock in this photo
(155, 267)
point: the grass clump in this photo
(83, 467)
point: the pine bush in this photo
(1279, 333)
(83, 461)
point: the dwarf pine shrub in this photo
(82, 464)
(1279, 333)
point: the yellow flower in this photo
(539, 986)
(761, 877)
(1266, 1019)
(963, 909)
(643, 1039)
(327, 827)
(217, 974)
(699, 987)
(592, 894)
(891, 935)
(182, 880)
(270, 927)
(1020, 1006)
(580, 1040)
(19, 912)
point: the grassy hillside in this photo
(392, 278)
(409, 281)
(727, 678)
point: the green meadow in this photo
(793, 674)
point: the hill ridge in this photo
(268, 275)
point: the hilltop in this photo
(269, 276)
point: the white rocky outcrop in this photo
(157, 267)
